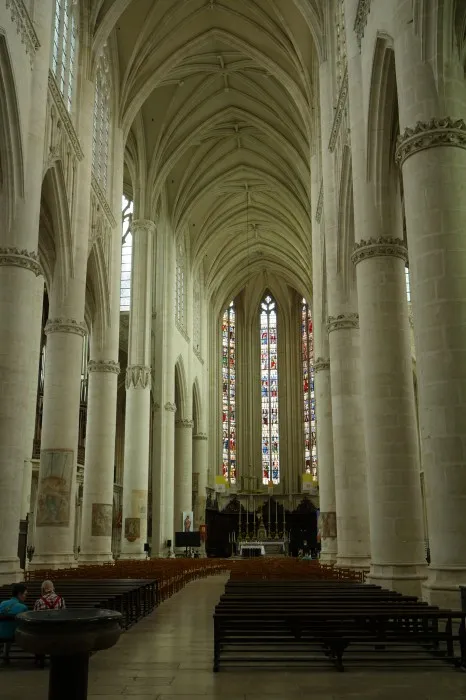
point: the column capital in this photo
(143, 225)
(379, 247)
(137, 375)
(170, 407)
(322, 363)
(337, 323)
(200, 436)
(14, 257)
(435, 132)
(109, 366)
(65, 325)
(184, 423)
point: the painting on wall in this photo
(132, 529)
(187, 524)
(102, 515)
(57, 471)
(328, 524)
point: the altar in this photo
(269, 548)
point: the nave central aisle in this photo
(168, 656)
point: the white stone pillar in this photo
(183, 501)
(432, 154)
(168, 476)
(97, 519)
(26, 491)
(325, 461)
(348, 441)
(55, 516)
(138, 387)
(19, 269)
(200, 457)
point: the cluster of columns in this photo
(364, 386)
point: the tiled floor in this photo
(169, 657)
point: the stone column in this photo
(348, 441)
(19, 270)
(328, 521)
(432, 154)
(96, 530)
(138, 387)
(183, 470)
(200, 456)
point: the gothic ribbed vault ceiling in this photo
(217, 102)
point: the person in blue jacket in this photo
(10, 608)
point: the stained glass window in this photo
(229, 393)
(307, 354)
(269, 391)
(65, 35)
(408, 284)
(126, 255)
(101, 128)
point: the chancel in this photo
(232, 305)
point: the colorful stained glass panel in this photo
(229, 393)
(269, 391)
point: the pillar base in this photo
(10, 571)
(132, 556)
(403, 578)
(355, 562)
(95, 558)
(329, 550)
(53, 561)
(442, 586)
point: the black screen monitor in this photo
(187, 539)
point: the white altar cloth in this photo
(252, 545)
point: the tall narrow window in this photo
(307, 354)
(180, 286)
(65, 36)
(269, 391)
(197, 316)
(229, 393)
(408, 284)
(101, 129)
(126, 254)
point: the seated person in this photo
(8, 611)
(49, 600)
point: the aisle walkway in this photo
(168, 656)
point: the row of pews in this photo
(133, 588)
(280, 615)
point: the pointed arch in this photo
(11, 150)
(55, 195)
(197, 407)
(98, 279)
(181, 389)
(345, 241)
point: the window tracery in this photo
(307, 355)
(269, 391)
(229, 393)
(64, 49)
(101, 129)
(180, 296)
(126, 254)
(341, 53)
(197, 316)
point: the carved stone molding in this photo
(360, 22)
(321, 364)
(65, 325)
(142, 225)
(200, 436)
(342, 321)
(65, 116)
(379, 247)
(137, 376)
(14, 257)
(109, 366)
(99, 194)
(170, 407)
(24, 27)
(435, 132)
(339, 111)
(183, 332)
(320, 203)
(184, 423)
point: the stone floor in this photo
(168, 656)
